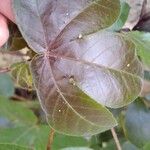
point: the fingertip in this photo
(4, 32)
(6, 9)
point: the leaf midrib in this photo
(88, 63)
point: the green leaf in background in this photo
(142, 43)
(16, 113)
(129, 146)
(77, 148)
(137, 123)
(20, 72)
(18, 43)
(62, 141)
(18, 125)
(124, 13)
(146, 146)
(144, 22)
(35, 136)
(147, 75)
(13, 147)
(6, 85)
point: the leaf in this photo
(6, 85)
(63, 77)
(124, 13)
(16, 113)
(37, 136)
(30, 136)
(146, 146)
(18, 125)
(71, 81)
(137, 123)
(147, 75)
(129, 146)
(21, 75)
(142, 43)
(68, 109)
(144, 23)
(13, 147)
(52, 18)
(77, 148)
(62, 141)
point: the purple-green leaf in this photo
(80, 68)
(55, 21)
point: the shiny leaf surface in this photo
(59, 21)
(79, 68)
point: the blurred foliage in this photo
(20, 72)
(13, 147)
(6, 85)
(137, 123)
(22, 122)
(142, 43)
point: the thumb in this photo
(6, 9)
(4, 32)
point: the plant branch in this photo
(50, 140)
(4, 70)
(114, 134)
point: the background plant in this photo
(80, 60)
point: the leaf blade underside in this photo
(58, 81)
(82, 16)
(79, 68)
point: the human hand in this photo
(5, 14)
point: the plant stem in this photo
(50, 140)
(18, 98)
(114, 134)
(4, 70)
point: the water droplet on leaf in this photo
(72, 81)
(80, 36)
(128, 65)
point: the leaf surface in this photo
(6, 85)
(13, 147)
(20, 72)
(53, 20)
(137, 123)
(58, 79)
(79, 68)
(120, 22)
(142, 43)
(15, 114)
